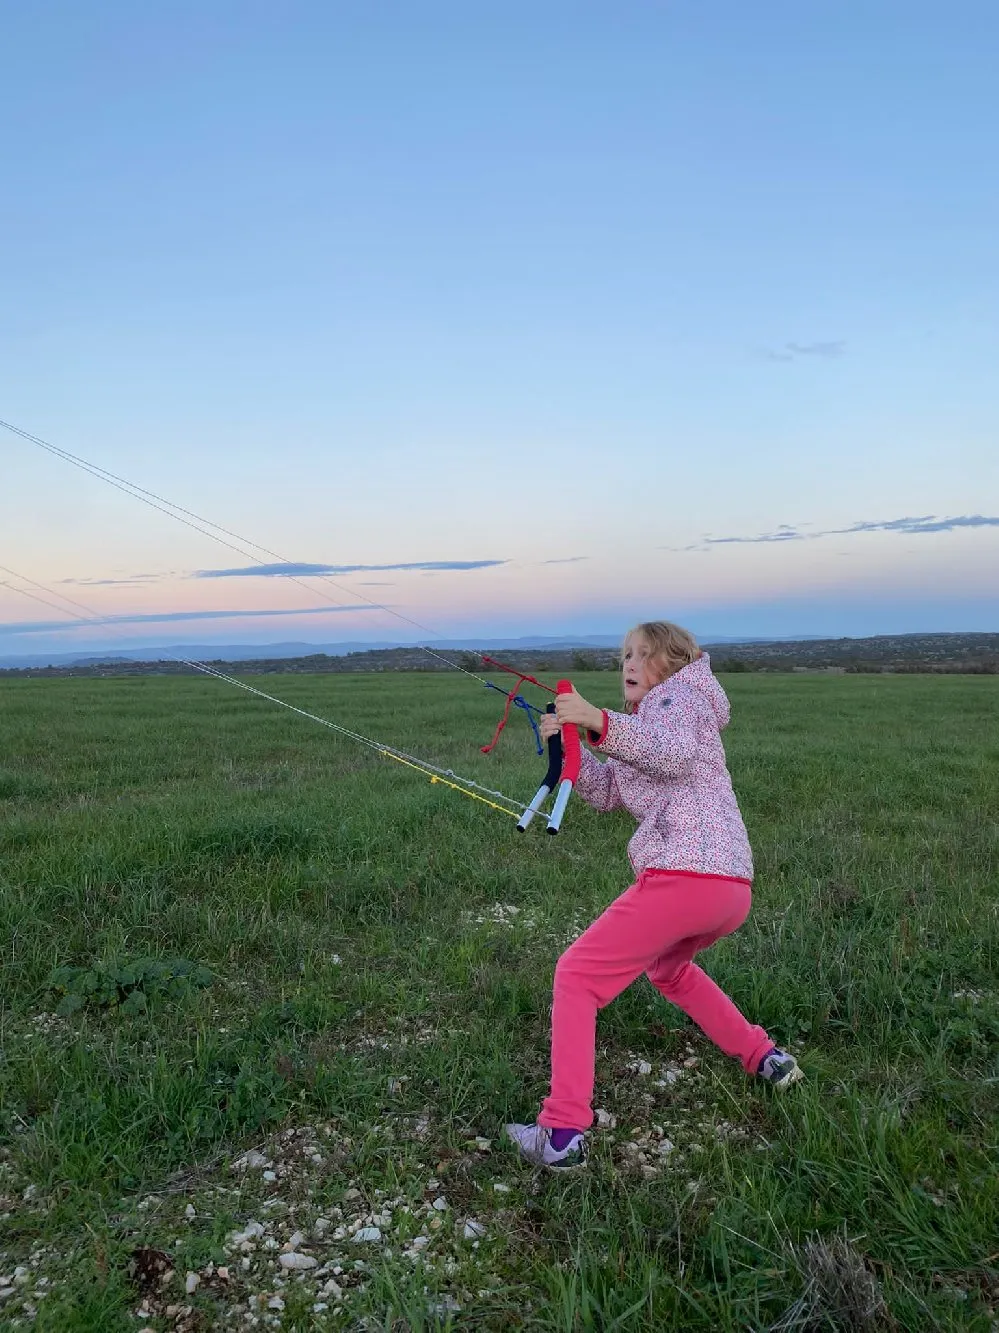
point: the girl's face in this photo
(638, 676)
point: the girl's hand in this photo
(573, 707)
(548, 726)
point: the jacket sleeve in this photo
(661, 741)
(596, 783)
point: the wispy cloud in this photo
(928, 523)
(169, 617)
(794, 351)
(131, 581)
(925, 523)
(305, 570)
(783, 534)
(566, 560)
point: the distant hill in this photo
(235, 652)
(887, 652)
(960, 653)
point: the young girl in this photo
(694, 870)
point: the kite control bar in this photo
(551, 777)
(564, 758)
(572, 757)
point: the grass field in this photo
(373, 1008)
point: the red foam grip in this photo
(571, 752)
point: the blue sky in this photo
(517, 318)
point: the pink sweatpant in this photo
(655, 927)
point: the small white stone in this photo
(367, 1235)
(440, 1205)
(251, 1231)
(500, 1188)
(474, 1230)
(223, 1273)
(604, 1118)
(192, 1284)
(189, 1212)
(275, 1303)
(666, 1147)
(335, 959)
(297, 1261)
(251, 1161)
(294, 1240)
(269, 1176)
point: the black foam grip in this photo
(554, 756)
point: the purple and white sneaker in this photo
(780, 1069)
(534, 1143)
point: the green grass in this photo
(360, 987)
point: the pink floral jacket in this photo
(667, 768)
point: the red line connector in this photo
(514, 697)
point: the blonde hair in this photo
(670, 647)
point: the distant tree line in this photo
(931, 654)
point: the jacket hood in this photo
(699, 676)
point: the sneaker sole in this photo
(574, 1164)
(565, 1168)
(795, 1076)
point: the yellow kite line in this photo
(226, 537)
(445, 776)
